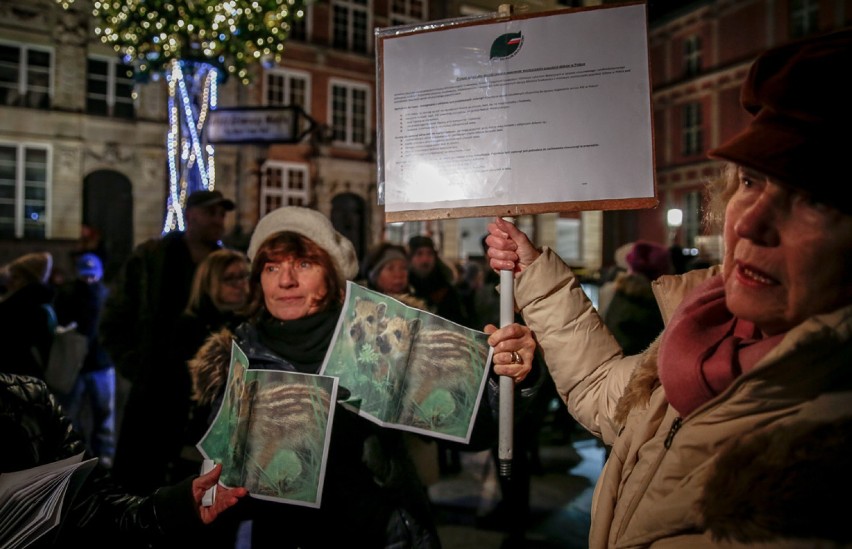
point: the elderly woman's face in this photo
(786, 257)
(293, 288)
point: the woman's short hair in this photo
(209, 276)
(291, 245)
(719, 191)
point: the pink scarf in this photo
(704, 348)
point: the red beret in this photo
(650, 259)
(801, 97)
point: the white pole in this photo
(507, 384)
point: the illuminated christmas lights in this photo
(229, 35)
(195, 44)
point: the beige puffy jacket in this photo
(760, 465)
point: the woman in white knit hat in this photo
(26, 324)
(371, 495)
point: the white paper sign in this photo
(546, 109)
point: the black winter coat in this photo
(371, 496)
(35, 431)
(82, 303)
(25, 330)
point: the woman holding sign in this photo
(733, 427)
(371, 494)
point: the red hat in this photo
(650, 259)
(799, 94)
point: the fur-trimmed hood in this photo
(774, 483)
(765, 462)
(643, 381)
(770, 483)
(209, 367)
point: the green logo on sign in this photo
(506, 45)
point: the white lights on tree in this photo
(193, 43)
(191, 163)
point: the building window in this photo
(692, 217)
(25, 76)
(24, 171)
(285, 87)
(299, 29)
(692, 129)
(803, 17)
(405, 12)
(569, 240)
(283, 184)
(109, 88)
(349, 113)
(351, 23)
(692, 55)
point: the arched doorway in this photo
(108, 210)
(348, 215)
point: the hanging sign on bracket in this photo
(285, 124)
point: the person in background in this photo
(470, 283)
(385, 270)
(633, 316)
(219, 291)
(511, 515)
(91, 241)
(26, 326)
(486, 299)
(91, 402)
(733, 428)
(35, 431)
(433, 280)
(372, 495)
(151, 291)
(610, 275)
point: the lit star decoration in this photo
(194, 44)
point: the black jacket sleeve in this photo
(102, 514)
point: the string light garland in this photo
(195, 44)
(191, 97)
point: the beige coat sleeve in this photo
(584, 359)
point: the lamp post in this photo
(674, 219)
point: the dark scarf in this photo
(302, 342)
(704, 348)
(213, 317)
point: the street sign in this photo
(287, 124)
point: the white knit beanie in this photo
(313, 225)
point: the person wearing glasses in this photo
(148, 295)
(220, 289)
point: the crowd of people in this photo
(722, 394)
